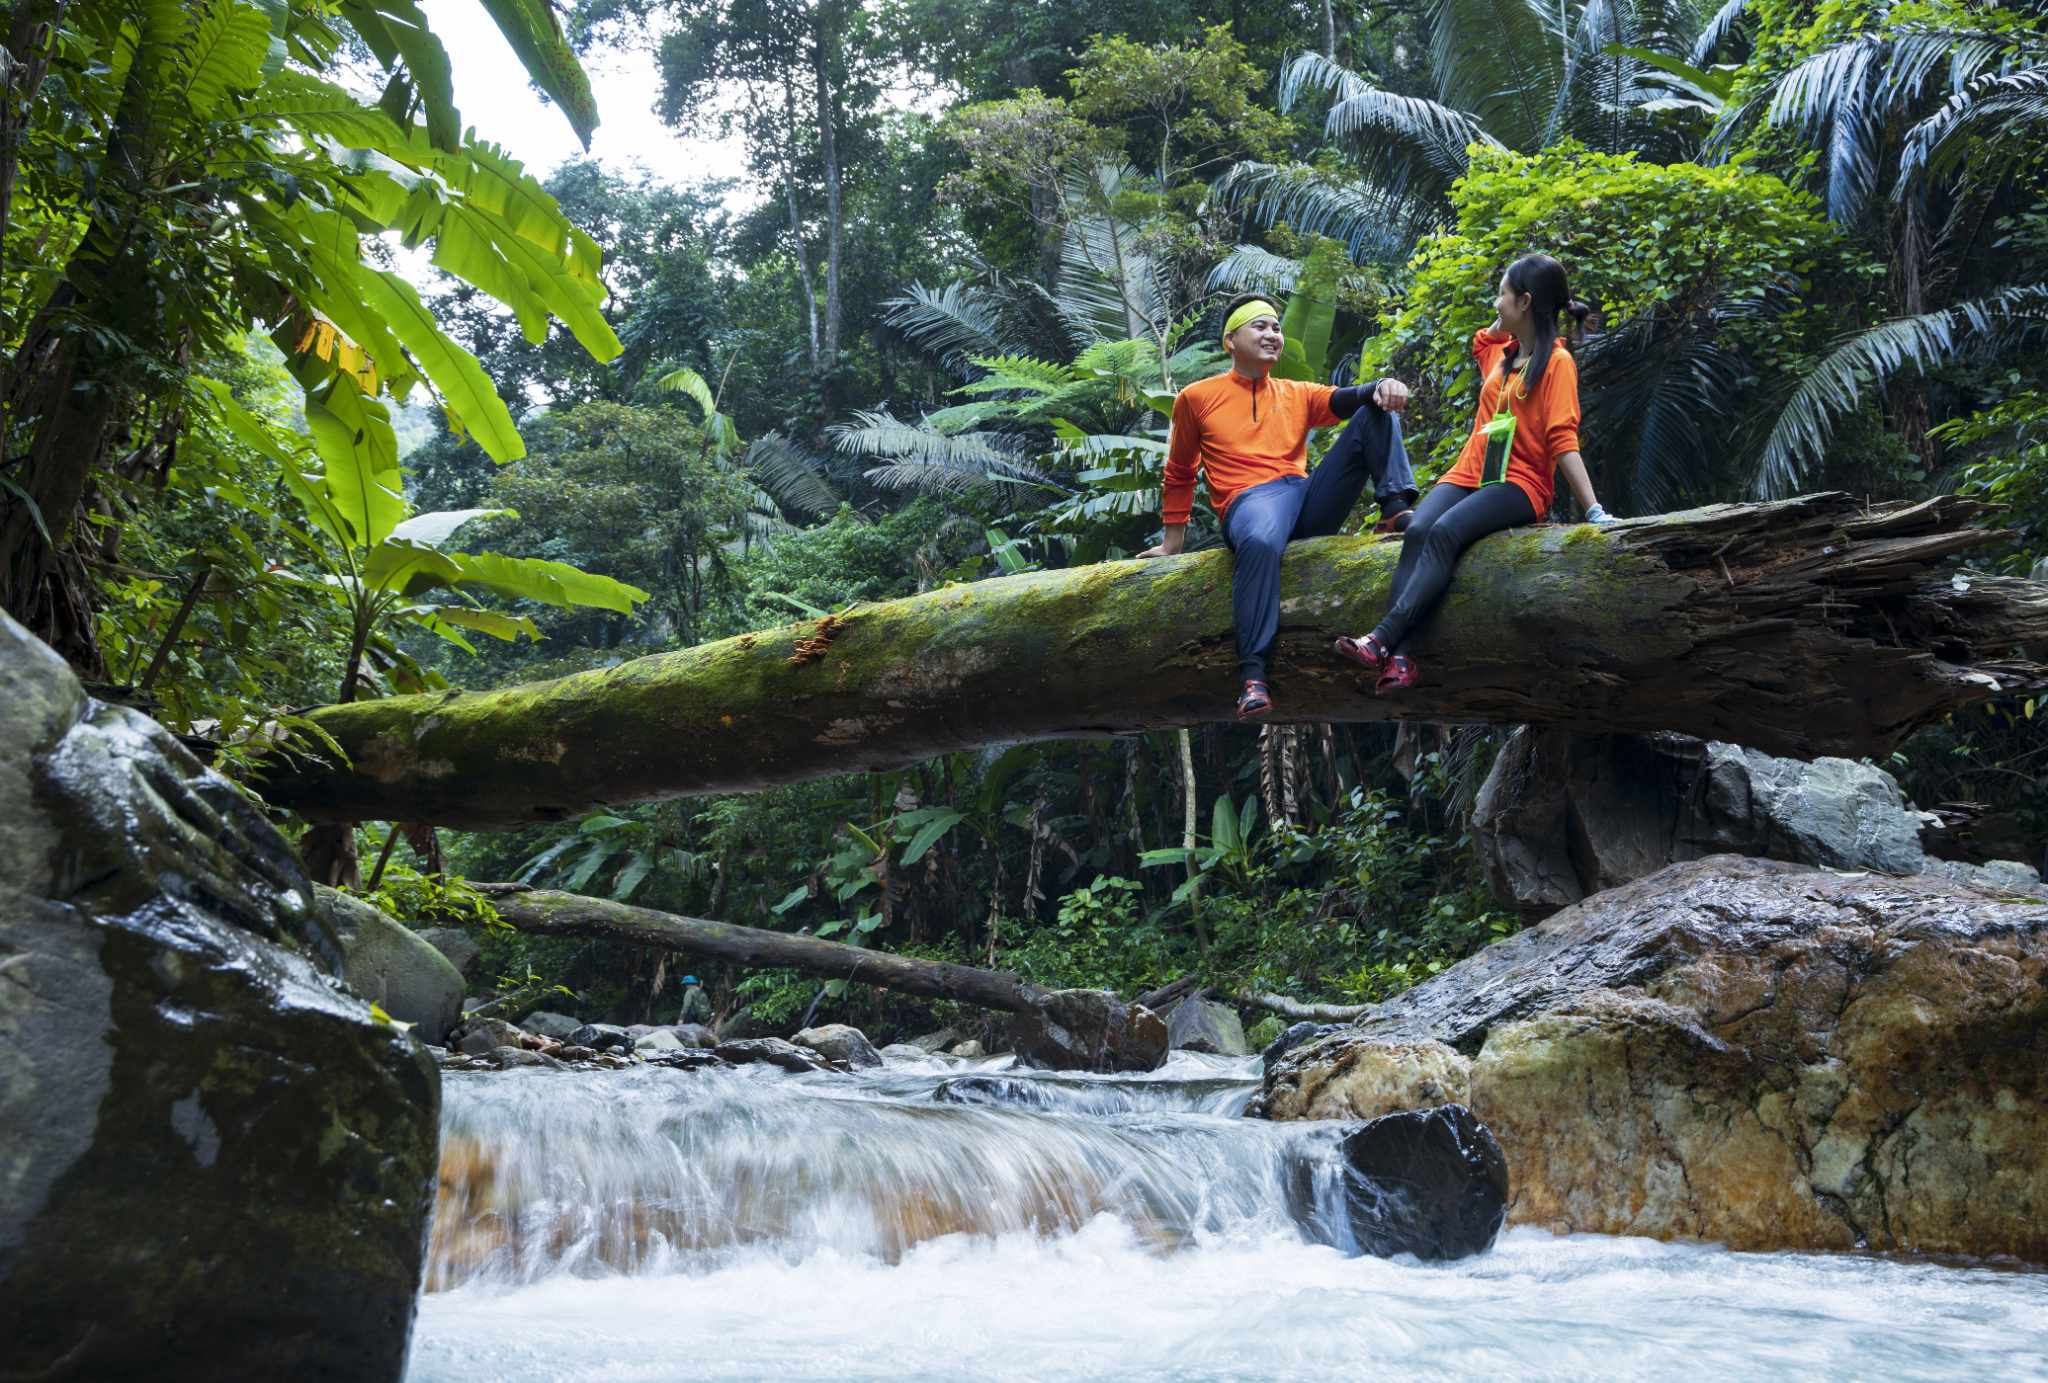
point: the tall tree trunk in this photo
(1805, 627)
(797, 245)
(830, 19)
(1330, 30)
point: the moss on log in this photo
(1804, 627)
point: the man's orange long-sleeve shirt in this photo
(1240, 432)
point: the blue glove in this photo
(1596, 514)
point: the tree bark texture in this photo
(545, 912)
(1805, 627)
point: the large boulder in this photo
(1088, 1030)
(460, 947)
(1563, 816)
(481, 1035)
(1431, 1183)
(600, 1037)
(217, 1163)
(846, 1045)
(394, 967)
(1202, 1025)
(559, 1026)
(1757, 1053)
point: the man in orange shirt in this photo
(1248, 432)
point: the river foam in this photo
(654, 1225)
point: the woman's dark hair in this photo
(1241, 299)
(1550, 297)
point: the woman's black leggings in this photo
(1450, 519)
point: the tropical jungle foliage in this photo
(307, 384)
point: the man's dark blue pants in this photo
(1264, 519)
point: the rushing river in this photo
(660, 1225)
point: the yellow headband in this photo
(1250, 312)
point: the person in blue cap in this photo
(696, 1003)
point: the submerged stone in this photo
(774, 1051)
(1431, 1183)
(216, 1162)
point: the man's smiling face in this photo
(1257, 343)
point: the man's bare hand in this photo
(1172, 537)
(1390, 394)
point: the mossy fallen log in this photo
(1805, 627)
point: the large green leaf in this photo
(554, 583)
(355, 440)
(465, 389)
(929, 833)
(224, 52)
(571, 298)
(530, 27)
(1311, 313)
(321, 109)
(411, 568)
(493, 622)
(334, 250)
(253, 432)
(426, 62)
(491, 181)
(465, 248)
(438, 527)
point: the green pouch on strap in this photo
(1500, 439)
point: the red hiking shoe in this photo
(1399, 674)
(1394, 523)
(1254, 701)
(1365, 652)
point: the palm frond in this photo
(1867, 359)
(1110, 288)
(1666, 386)
(876, 433)
(1017, 374)
(1499, 60)
(791, 476)
(1714, 35)
(1374, 225)
(1249, 268)
(950, 324)
(2014, 100)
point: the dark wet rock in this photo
(1432, 1183)
(481, 1035)
(1202, 1025)
(1089, 1030)
(839, 1042)
(1759, 1054)
(774, 1051)
(601, 1037)
(394, 968)
(1563, 816)
(1294, 1035)
(460, 949)
(556, 1025)
(690, 1059)
(994, 1090)
(215, 1162)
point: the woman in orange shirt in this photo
(1525, 372)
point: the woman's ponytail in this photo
(1550, 297)
(1581, 313)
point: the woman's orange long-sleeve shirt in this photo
(1241, 433)
(1546, 420)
